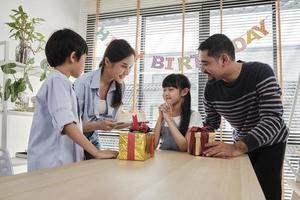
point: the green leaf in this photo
(13, 97)
(27, 25)
(40, 19)
(43, 76)
(21, 9)
(8, 68)
(16, 88)
(39, 34)
(17, 36)
(20, 86)
(13, 17)
(12, 25)
(7, 89)
(13, 35)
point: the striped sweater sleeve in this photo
(212, 119)
(270, 111)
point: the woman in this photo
(100, 92)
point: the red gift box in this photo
(198, 138)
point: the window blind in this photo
(290, 27)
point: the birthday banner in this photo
(241, 43)
(255, 33)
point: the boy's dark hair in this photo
(116, 51)
(61, 44)
(218, 44)
(180, 81)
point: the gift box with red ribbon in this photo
(198, 138)
(137, 143)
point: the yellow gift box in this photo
(136, 146)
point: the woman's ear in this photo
(184, 91)
(106, 61)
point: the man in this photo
(248, 96)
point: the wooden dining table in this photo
(169, 175)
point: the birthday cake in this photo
(126, 116)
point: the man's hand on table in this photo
(223, 150)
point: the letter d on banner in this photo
(239, 44)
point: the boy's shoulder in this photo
(58, 76)
(88, 77)
(56, 80)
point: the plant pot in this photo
(22, 103)
(23, 53)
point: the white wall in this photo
(18, 127)
(58, 14)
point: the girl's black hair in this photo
(116, 51)
(180, 82)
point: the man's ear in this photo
(225, 59)
(184, 91)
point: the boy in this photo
(56, 133)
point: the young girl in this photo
(56, 137)
(175, 115)
(100, 92)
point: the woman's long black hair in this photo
(180, 82)
(116, 51)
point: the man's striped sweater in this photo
(251, 104)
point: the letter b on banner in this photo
(157, 62)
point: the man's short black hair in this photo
(61, 44)
(218, 44)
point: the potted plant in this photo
(14, 87)
(23, 30)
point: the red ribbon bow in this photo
(135, 123)
(136, 126)
(200, 129)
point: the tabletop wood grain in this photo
(169, 175)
